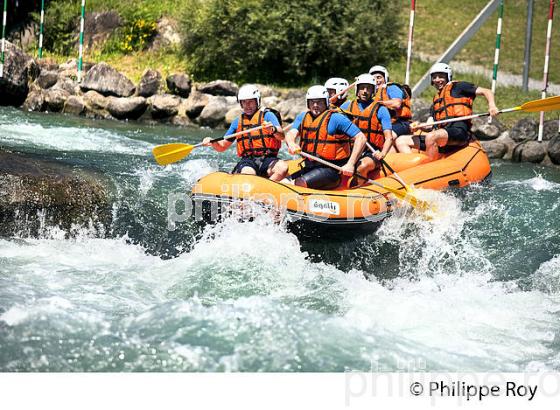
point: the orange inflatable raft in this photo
(359, 209)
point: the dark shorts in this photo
(318, 176)
(401, 127)
(259, 164)
(458, 134)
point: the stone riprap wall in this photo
(37, 85)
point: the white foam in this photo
(547, 277)
(537, 183)
(70, 139)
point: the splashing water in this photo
(473, 288)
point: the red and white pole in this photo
(410, 39)
(546, 61)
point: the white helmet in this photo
(380, 69)
(442, 68)
(249, 92)
(338, 84)
(315, 92)
(364, 79)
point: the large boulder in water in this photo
(127, 108)
(179, 84)
(196, 103)
(164, 105)
(219, 87)
(554, 149)
(289, 109)
(529, 151)
(214, 113)
(524, 129)
(19, 69)
(107, 81)
(150, 83)
(55, 99)
(550, 130)
(35, 193)
(494, 149)
(484, 130)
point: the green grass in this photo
(156, 8)
(439, 22)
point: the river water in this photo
(476, 288)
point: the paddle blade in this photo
(545, 104)
(407, 196)
(170, 153)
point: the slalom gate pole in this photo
(546, 61)
(81, 47)
(4, 20)
(498, 44)
(40, 55)
(410, 40)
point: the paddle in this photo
(333, 99)
(544, 104)
(397, 176)
(403, 196)
(170, 153)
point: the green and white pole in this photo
(4, 21)
(41, 29)
(498, 43)
(81, 48)
(546, 61)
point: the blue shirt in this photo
(394, 91)
(338, 124)
(268, 116)
(382, 113)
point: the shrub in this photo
(288, 41)
(138, 29)
(62, 22)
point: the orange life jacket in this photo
(315, 138)
(337, 103)
(445, 106)
(368, 123)
(403, 113)
(255, 143)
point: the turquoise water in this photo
(475, 289)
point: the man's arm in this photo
(359, 144)
(489, 95)
(291, 136)
(277, 131)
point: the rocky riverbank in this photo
(37, 85)
(36, 194)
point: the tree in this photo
(288, 41)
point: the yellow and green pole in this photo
(81, 47)
(4, 21)
(41, 28)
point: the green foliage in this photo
(138, 29)
(288, 41)
(62, 21)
